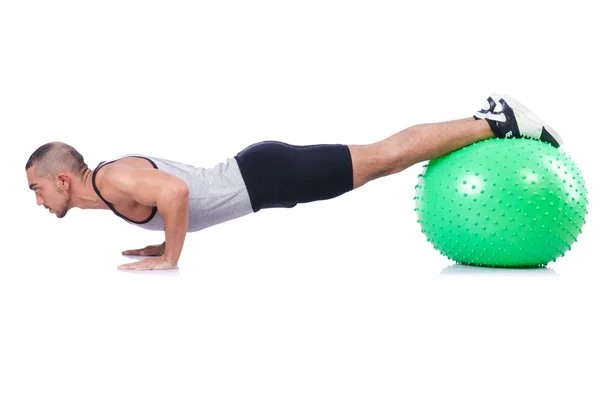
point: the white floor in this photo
(267, 305)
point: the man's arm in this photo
(154, 187)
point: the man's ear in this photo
(63, 180)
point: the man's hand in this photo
(154, 263)
(150, 250)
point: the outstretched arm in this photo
(168, 193)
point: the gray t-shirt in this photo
(217, 194)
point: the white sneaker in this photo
(510, 119)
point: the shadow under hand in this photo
(466, 270)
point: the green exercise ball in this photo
(502, 203)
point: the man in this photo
(161, 194)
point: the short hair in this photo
(55, 157)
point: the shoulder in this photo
(109, 178)
(126, 180)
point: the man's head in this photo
(52, 171)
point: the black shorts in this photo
(278, 174)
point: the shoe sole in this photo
(513, 103)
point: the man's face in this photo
(52, 194)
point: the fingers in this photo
(141, 252)
(150, 250)
(129, 266)
(134, 266)
(143, 265)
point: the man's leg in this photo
(278, 174)
(413, 145)
(501, 116)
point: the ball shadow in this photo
(458, 269)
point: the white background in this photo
(336, 298)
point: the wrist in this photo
(170, 260)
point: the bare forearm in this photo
(174, 211)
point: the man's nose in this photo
(39, 201)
